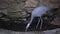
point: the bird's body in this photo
(38, 12)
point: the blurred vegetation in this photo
(21, 11)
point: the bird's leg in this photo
(38, 23)
(41, 23)
(28, 25)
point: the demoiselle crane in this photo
(38, 12)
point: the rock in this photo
(54, 31)
(31, 3)
(12, 0)
(56, 21)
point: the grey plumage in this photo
(38, 12)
